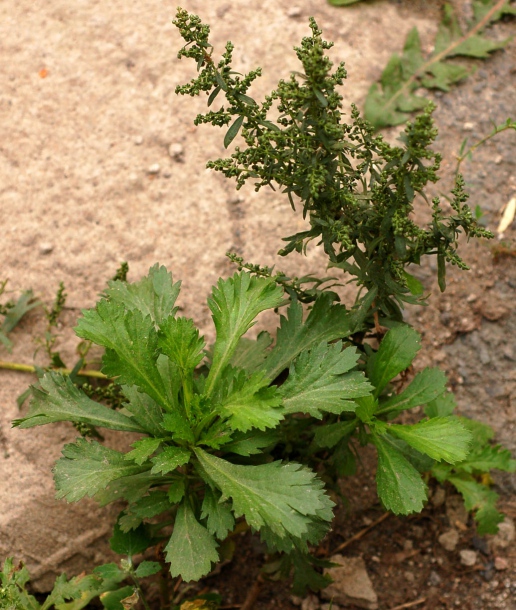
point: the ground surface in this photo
(87, 107)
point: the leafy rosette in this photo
(207, 418)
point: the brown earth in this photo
(87, 107)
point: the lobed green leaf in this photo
(441, 438)
(87, 468)
(283, 497)
(56, 398)
(399, 484)
(319, 381)
(191, 548)
(154, 295)
(235, 303)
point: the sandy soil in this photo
(87, 108)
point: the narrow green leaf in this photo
(322, 100)
(232, 132)
(170, 459)
(88, 467)
(399, 484)
(441, 438)
(246, 99)
(284, 497)
(235, 303)
(56, 398)
(154, 295)
(220, 81)
(395, 354)
(213, 95)
(413, 284)
(426, 386)
(191, 548)
(319, 381)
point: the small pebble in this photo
(409, 576)
(154, 168)
(498, 159)
(449, 540)
(468, 126)
(468, 558)
(138, 140)
(176, 151)
(294, 11)
(297, 601)
(434, 579)
(500, 563)
(45, 248)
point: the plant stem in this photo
(27, 368)
(498, 129)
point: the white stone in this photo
(154, 168)
(176, 151)
(505, 536)
(45, 248)
(294, 11)
(468, 558)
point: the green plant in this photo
(393, 99)
(106, 582)
(211, 433)
(248, 429)
(357, 190)
(13, 312)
